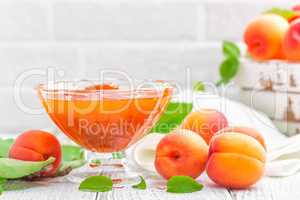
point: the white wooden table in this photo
(268, 188)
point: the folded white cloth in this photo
(283, 156)
(283, 159)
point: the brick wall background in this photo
(155, 39)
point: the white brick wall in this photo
(14, 119)
(17, 59)
(23, 21)
(156, 39)
(125, 21)
(157, 61)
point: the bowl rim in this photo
(159, 86)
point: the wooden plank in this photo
(209, 192)
(267, 188)
(271, 188)
(62, 189)
(66, 191)
(155, 194)
(49, 191)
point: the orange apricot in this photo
(182, 152)
(205, 122)
(235, 160)
(264, 36)
(37, 145)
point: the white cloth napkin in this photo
(283, 159)
(283, 156)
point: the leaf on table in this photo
(285, 13)
(5, 145)
(183, 184)
(172, 117)
(96, 184)
(72, 157)
(71, 152)
(13, 169)
(2, 183)
(142, 185)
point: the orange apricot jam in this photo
(109, 121)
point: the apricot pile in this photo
(273, 36)
(233, 157)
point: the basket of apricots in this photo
(269, 74)
(232, 157)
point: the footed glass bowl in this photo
(107, 117)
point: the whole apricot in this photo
(264, 36)
(181, 153)
(205, 122)
(235, 160)
(37, 145)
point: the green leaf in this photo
(230, 49)
(285, 13)
(142, 185)
(72, 157)
(183, 184)
(228, 69)
(199, 86)
(96, 184)
(12, 169)
(5, 145)
(71, 152)
(172, 117)
(2, 183)
(230, 65)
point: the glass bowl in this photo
(105, 117)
